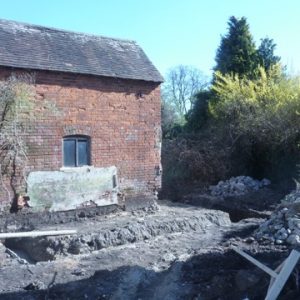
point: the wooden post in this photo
(279, 276)
(256, 262)
(283, 276)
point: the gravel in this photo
(237, 186)
(283, 226)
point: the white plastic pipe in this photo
(36, 233)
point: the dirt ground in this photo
(177, 251)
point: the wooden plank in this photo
(277, 270)
(36, 233)
(283, 276)
(255, 262)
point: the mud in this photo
(255, 204)
(177, 252)
(101, 232)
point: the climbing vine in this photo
(17, 96)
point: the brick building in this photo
(107, 97)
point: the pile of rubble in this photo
(237, 186)
(284, 224)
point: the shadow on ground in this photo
(212, 275)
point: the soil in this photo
(256, 204)
(173, 251)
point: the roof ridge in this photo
(67, 31)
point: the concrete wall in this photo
(122, 118)
(72, 188)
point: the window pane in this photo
(69, 153)
(82, 147)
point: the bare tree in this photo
(181, 85)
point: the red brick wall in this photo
(122, 117)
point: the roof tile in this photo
(42, 48)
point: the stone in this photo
(278, 226)
(282, 230)
(168, 257)
(75, 246)
(278, 242)
(293, 239)
(281, 234)
(284, 223)
(237, 186)
(291, 224)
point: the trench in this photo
(15, 252)
(237, 215)
(209, 274)
(37, 249)
(116, 234)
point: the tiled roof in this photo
(41, 48)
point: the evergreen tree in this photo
(266, 54)
(237, 53)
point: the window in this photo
(76, 151)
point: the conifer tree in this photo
(266, 55)
(237, 53)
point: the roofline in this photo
(68, 31)
(53, 30)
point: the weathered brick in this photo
(124, 128)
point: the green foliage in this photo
(265, 108)
(237, 53)
(171, 123)
(266, 55)
(198, 115)
(247, 122)
(260, 115)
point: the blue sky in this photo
(171, 32)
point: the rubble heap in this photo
(237, 186)
(284, 224)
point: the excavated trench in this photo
(238, 214)
(96, 233)
(256, 204)
(175, 252)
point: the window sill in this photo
(83, 169)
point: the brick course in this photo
(122, 118)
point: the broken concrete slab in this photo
(72, 188)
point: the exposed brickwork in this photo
(122, 117)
